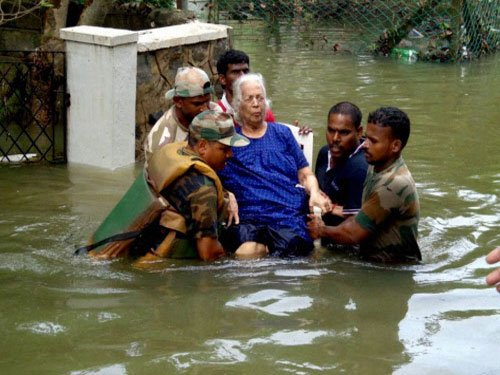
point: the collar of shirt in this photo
(225, 103)
(358, 149)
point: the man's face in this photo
(380, 146)
(190, 107)
(342, 136)
(234, 71)
(253, 103)
(217, 154)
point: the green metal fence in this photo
(440, 30)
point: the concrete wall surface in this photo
(101, 81)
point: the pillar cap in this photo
(103, 36)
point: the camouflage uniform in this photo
(390, 210)
(197, 202)
(189, 82)
(167, 129)
(194, 196)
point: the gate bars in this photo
(33, 106)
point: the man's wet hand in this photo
(315, 226)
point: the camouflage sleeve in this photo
(203, 202)
(159, 135)
(379, 205)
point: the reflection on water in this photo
(272, 301)
(42, 328)
(233, 351)
(324, 314)
(448, 324)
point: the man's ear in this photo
(359, 130)
(222, 80)
(177, 101)
(396, 146)
(201, 147)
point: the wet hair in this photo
(231, 56)
(250, 77)
(396, 119)
(347, 109)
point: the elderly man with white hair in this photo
(271, 180)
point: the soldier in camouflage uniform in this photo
(191, 95)
(184, 175)
(386, 226)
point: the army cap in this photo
(216, 126)
(189, 82)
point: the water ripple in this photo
(42, 328)
(449, 332)
(117, 369)
(229, 351)
(272, 301)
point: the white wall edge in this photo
(103, 36)
(172, 36)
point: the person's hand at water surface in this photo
(493, 277)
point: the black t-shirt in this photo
(344, 183)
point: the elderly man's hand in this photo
(321, 200)
(232, 210)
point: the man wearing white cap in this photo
(191, 95)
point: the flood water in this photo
(326, 314)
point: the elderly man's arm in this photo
(316, 198)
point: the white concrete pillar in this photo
(101, 65)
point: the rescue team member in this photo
(231, 65)
(191, 95)
(194, 203)
(341, 164)
(386, 226)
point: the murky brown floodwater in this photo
(65, 315)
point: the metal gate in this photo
(32, 107)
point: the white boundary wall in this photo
(101, 80)
(101, 68)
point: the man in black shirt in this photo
(341, 165)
